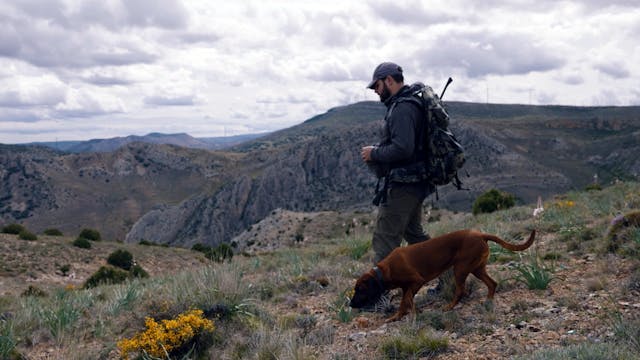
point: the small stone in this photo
(357, 336)
(362, 322)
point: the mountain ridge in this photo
(180, 196)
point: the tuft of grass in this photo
(341, 306)
(604, 351)
(627, 331)
(534, 274)
(8, 340)
(355, 247)
(423, 344)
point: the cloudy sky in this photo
(82, 69)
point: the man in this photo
(399, 153)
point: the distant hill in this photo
(171, 194)
(183, 140)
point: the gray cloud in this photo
(103, 80)
(18, 115)
(482, 53)
(168, 14)
(614, 69)
(158, 100)
(45, 45)
(572, 79)
(412, 12)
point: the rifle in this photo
(445, 87)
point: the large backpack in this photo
(440, 152)
(444, 154)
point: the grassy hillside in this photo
(291, 302)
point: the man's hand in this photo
(366, 153)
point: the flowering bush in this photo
(168, 336)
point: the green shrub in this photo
(14, 229)
(201, 248)
(106, 275)
(82, 243)
(147, 243)
(138, 272)
(27, 235)
(624, 235)
(593, 187)
(221, 253)
(33, 291)
(52, 232)
(64, 269)
(90, 234)
(121, 258)
(493, 200)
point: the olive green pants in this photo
(399, 217)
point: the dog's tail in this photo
(508, 246)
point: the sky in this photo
(85, 69)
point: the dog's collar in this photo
(378, 273)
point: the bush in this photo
(82, 243)
(106, 275)
(33, 291)
(201, 248)
(52, 232)
(624, 235)
(64, 269)
(138, 272)
(174, 338)
(90, 234)
(14, 229)
(121, 258)
(493, 200)
(221, 253)
(27, 235)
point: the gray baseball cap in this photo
(383, 70)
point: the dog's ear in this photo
(367, 292)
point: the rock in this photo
(359, 336)
(362, 322)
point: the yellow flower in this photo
(167, 335)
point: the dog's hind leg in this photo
(461, 277)
(481, 273)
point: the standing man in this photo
(401, 155)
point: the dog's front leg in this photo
(406, 305)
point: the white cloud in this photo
(23, 91)
(214, 67)
(85, 104)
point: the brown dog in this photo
(410, 267)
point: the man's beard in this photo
(386, 93)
